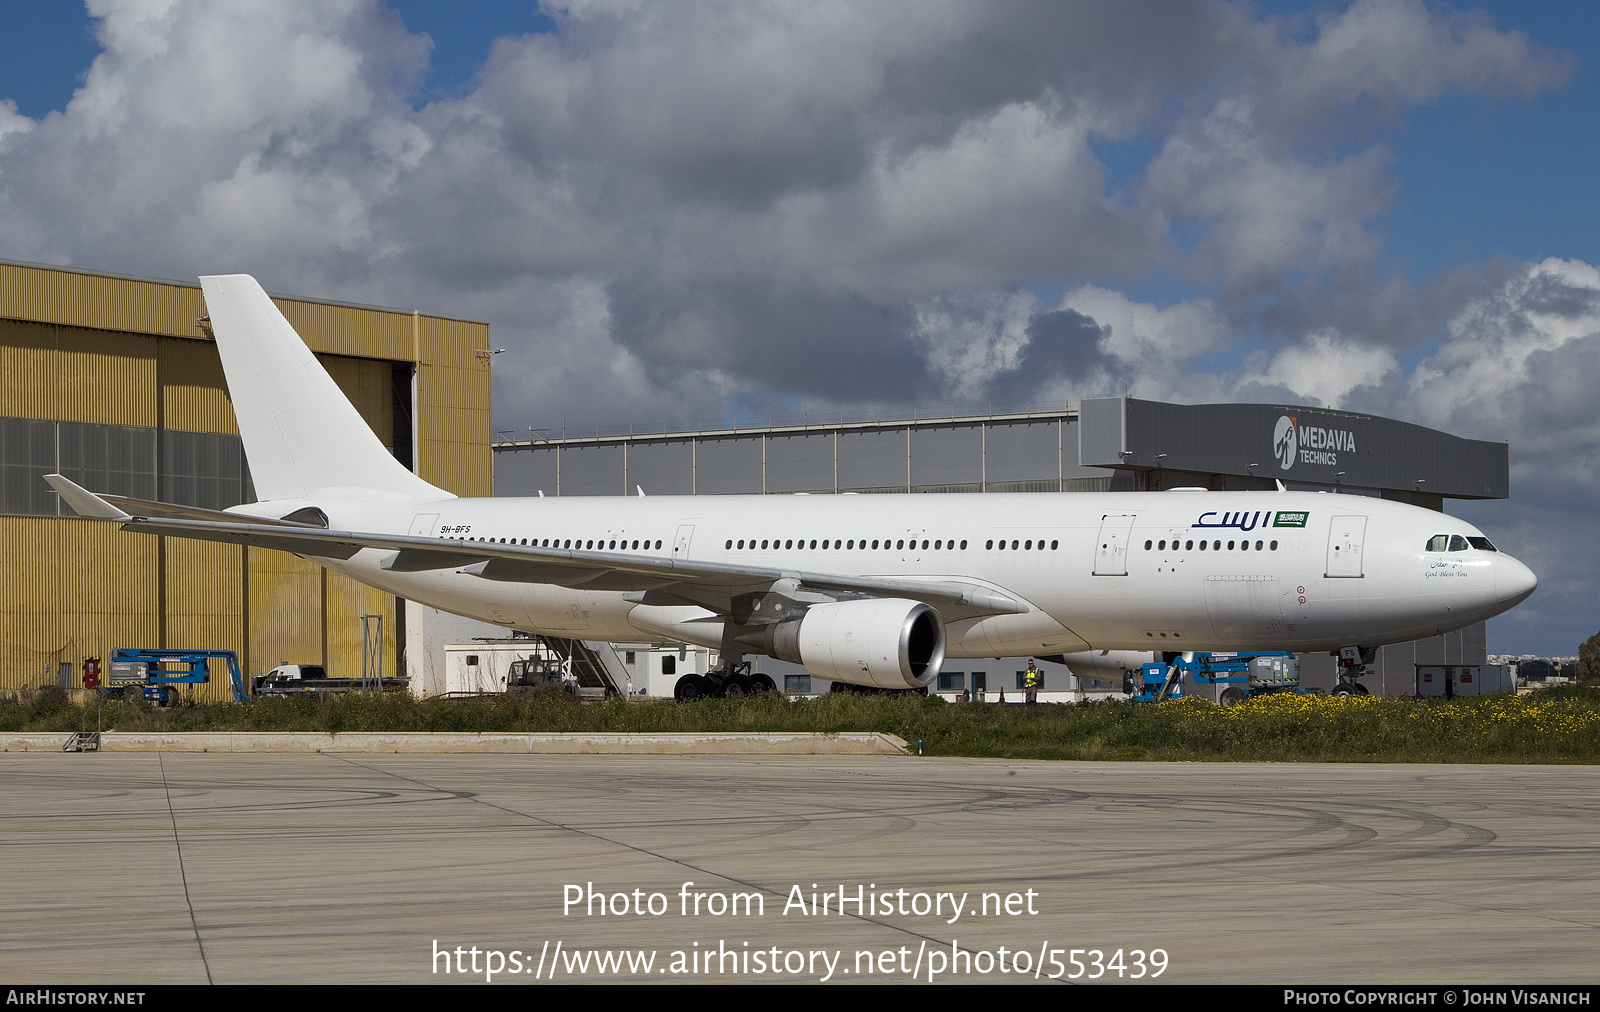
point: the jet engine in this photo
(887, 643)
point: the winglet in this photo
(1281, 486)
(84, 502)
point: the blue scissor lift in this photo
(1246, 673)
(165, 669)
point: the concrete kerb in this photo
(642, 743)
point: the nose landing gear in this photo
(1353, 663)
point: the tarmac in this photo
(528, 743)
(138, 868)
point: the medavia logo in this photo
(1285, 441)
(1309, 444)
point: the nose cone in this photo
(1513, 581)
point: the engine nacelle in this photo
(887, 643)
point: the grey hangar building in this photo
(1096, 445)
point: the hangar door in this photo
(1111, 547)
(1344, 546)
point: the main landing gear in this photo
(724, 683)
(1353, 663)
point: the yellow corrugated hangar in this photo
(114, 382)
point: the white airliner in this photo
(871, 590)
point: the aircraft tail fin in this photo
(301, 434)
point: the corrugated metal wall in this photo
(453, 407)
(83, 347)
(72, 588)
(76, 375)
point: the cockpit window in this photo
(1482, 544)
(1439, 543)
(1458, 543)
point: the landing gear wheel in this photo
(1232, 696)
(737, 685)
(1344, 690)
(690, 687)
(763, 683)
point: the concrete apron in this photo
(663, 743)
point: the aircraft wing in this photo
(713, 585)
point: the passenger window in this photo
(989, 544)
(1188, 546)
(1258, 545)
(1053, 545)
(1230, 545)
(1274, 546)
(1147, 545)
(963, 545)
(1202, 546)
(1163, 546)
(1029, 545)
(874, 542)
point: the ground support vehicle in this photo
(1244, 673)
(155, 674)
(304, 679)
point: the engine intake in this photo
(886, 643)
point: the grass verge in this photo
(1562, 726)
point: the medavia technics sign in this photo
(1294, 443)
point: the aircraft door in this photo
(1345, 537)
(422, 525)
(1111, 547)
(680, 543)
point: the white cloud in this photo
(972, 340)
(1500, 347)
(1325, 368)
(1141, 333)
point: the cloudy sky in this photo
(686, 212)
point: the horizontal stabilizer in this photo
(84, 502)
(95, 505)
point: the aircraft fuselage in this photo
(1135, 571)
